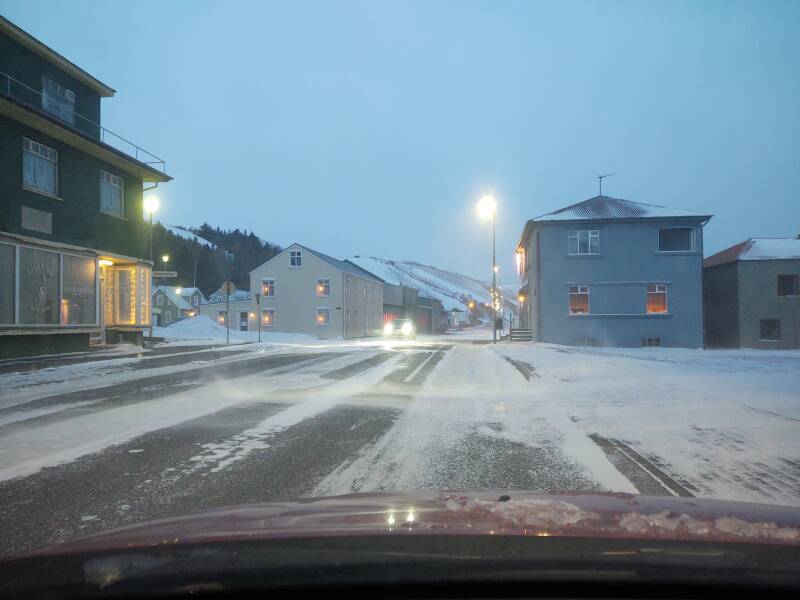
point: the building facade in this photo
(612, 272)
(752, 295)
(72, 231)
(172, 303)
(304, 291)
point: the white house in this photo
(301, 290)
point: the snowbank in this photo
(203, 328)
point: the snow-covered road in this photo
(252, 423)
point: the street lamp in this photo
(165, 259)
(150, 207)
(487, 209)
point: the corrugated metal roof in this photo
(606, 208)
(757, 249)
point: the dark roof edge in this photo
(46, 52)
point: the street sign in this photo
(228, 288)
(165, 273)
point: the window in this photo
(584, 242)
(39, 167)
(656, 299)
(268, 317)
(39, 276)
(323, 317)
(168, 315)
(676, 239)
(295, 258)
(323, 288)
(268, 287)
(651, 342)
(788, 285)
(195, 300)
(355, 318)
(58, 100)
(7, 291)
(221, 317)
(365, 293)
(78, 296)
(770, 330)
(112, 190)
(586, 342)
(160, 300)
(579, 300)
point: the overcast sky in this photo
(373, 127)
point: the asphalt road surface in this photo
(288, 425)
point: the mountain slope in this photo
(452, 289)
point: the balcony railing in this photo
(24, 94)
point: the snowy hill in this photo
(188, 234)
(453, 290)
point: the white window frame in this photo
(40, 150)
(692, 240)
(271, 322)
(61, 96)
(661, 288)
(159, 299)
(322, 282)
(323, 310)
(116, 181)
(582, 289)
(295, 259)
(590, 235)
(168, 315)
(272, 287)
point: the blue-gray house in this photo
(611, 272)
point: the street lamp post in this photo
(487, 207)
(150, 207)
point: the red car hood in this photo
(461, 513)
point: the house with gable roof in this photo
(612, 272)
(752, 294)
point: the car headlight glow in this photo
(406, 329)
(388, 329)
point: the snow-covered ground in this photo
(203, 329)
(725, 422)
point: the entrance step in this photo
(520, 335)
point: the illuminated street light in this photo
(165, 258)
(487, 209)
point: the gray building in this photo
(430, 316)
(752, 294)
(399, 302)
(612, 272)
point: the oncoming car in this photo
(401, 328)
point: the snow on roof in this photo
(237, 295)
(757, 249)
(187, 234)
(605, 207)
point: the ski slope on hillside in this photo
(453, 290)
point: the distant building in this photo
(305, 291)
(431, 316)
(220, 296)
(612, 272)
(752, 294)
(399, 302)
(172, 303)
(72, 231)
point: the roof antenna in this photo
(600, 181)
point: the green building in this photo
(73, 237)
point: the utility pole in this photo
(494, 278)
(194, 280)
